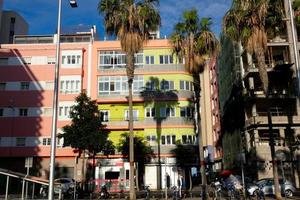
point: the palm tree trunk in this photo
(262, 69)
(130, 76)
(273, 157)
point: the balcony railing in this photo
(142, 122)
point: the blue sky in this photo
(42, 14)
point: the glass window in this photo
(135, 115)
(170, 112)
(24, 85)
(149, 60)
(1, 112)
(23, 112)
(2, 86)
(20, 141)
(163, 140)
(161, 59)
(150, 112)
(104, 115)
(3, 61)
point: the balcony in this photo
(141, 123)
(261, 120)
(141, 69)
(277, 58)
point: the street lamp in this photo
(55, 102)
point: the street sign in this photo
(28, 162)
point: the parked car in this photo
(267, 187)
(66, 185)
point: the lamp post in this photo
(73, 4)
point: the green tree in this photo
(85, 133)
(245, 23)
(142, 152)
(193, 40)
(181, 151)
(131, 21)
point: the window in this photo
(71, 58)
(49, 85)
(20, 142)
(165, 59)
(12, 20)
(149, 60)
(24, 85)
(151, 139)
(150, 86)
(51, 60)
(117, 59)
(59, 142)
(2, 86)
(135, 115)
(188, 139)
(186, 112)
(118, 85)
(64, 111)
(70, 84)
(3, 61)
(167, 112)
(23, 112)
(46, 142)
(47, 111)
(150, 112)
(104, 115)
(168, 139)
(27, 60)
(1, 112)
(185, 85)
(167, 85)
(138, 60)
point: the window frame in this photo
(20, 141)
(23, 112)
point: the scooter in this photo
(104, 193)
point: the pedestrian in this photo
(179, 184)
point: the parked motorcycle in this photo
(104, 194)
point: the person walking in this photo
(179, 185)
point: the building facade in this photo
(12, 24)
(210, 115)
(163, 106)
(252, 128)
(26, 90)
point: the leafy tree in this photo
(142, 152)
(85, 133)
(246, 22)
(193, 40)
(131, 21)
(181, 151)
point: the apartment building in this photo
(162, 106)
(210, 114)
(247, 105)
(12, 23)
(26, 90)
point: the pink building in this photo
(26, 90)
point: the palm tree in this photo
(193, 41)
(245, 23)
(131, 21)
